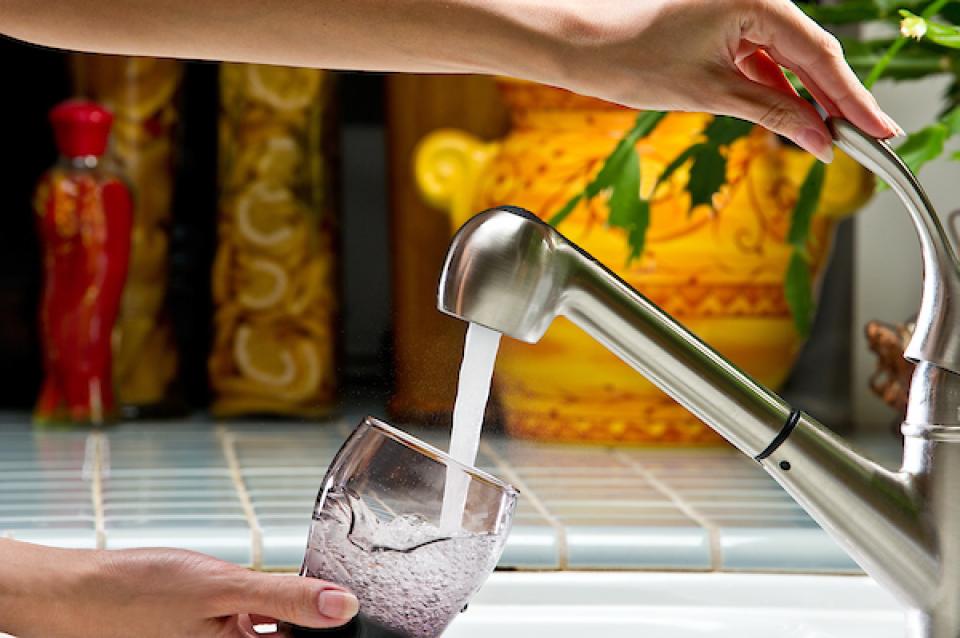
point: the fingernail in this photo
(816, 143)
(898, 130)
(334, 603)
(893, 126)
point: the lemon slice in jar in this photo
(152, 93)
(311, 284)
(264, 214)
(262, 284)
(283, 88)
(279, 160)
(308, 377)
(260, 357)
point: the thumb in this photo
(308, 602)
(782, 112)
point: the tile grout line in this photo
(228, 445)
(97, 448)
(713, 534)
(526, 491)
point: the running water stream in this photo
(473, 390)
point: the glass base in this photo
(359, 627)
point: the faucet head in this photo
(505, 270)
(936, 338)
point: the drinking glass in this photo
(377, 529)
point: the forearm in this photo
(474, 36)
(37, 586)
(719, 56)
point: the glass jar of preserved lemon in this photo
(142, 94)
(273, 280)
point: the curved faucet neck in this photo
(936, 338)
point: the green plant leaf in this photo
(625, 193)
(709, 169)
(644, 124)
(628, 210)
(679, 161)
(951, 119)
(609, 171)
(924, 145)
(725, 130)
(808, 198)
(707, 175)
(638, 232)
(564, 212)
(798, 290)
(927, 144)
(797, 85)
(880, 67)
(613, 165)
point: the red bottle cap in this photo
(81, 127)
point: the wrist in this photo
(532, 39)
(570, 44)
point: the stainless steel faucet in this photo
(509, 271)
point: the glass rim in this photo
(438, 455)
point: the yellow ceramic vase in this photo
(718, 269)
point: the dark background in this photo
(38, 78)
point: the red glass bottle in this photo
(84, 216)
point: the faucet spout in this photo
(875, 514)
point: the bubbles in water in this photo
(408, 576)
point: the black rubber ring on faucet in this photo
(778, 440)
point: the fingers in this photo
(780, 111)
(800, 44)
(308, 602)
(760, 67)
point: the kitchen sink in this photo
(676, 605)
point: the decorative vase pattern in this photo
(718, 269)
(142, 94)
(274, 273)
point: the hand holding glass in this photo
(377, 530)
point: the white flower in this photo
(913, 27)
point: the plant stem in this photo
(884, 61)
